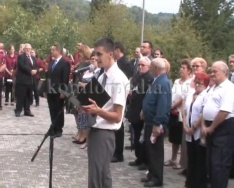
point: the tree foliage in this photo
(214, 19)
(67, 22)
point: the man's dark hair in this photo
(187, 63)
(119, 45)
(59, 48)
(107, 43)
(150, 43)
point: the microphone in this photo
(91, 68)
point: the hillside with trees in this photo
(202, 28)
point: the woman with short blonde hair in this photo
(199, 65)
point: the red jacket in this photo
(11, 63)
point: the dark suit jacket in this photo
(124, 66)
(23, 75)
(58, 77)
(157, 102)
(135, 107)
(133, 68)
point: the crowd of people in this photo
(196, 111)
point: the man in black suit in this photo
(144, 80)
(27, 69)
(125, 67)
(57, 78)
(146, 49)
(134, 62)
(134, 67)
(121, 59)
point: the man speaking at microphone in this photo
(101, 139)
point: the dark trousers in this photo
(196, 169)
(155, 154)
(119, 142)
(23, 96)
(139, 147)
(100, 151)
(220, 146)
(8, 91)
(232, 169)
(56, 111)
(1, 87)
(35, 90)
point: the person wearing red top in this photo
(11, 60)
(2, 70)
(41, 68)
(76, 56)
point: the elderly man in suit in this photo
(57, 78)
(143, 81)
(27, 69)
(156, 112)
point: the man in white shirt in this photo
(218, 114)
(101, 140)
(231, 67)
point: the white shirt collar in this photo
(111, 70)
(58, 59)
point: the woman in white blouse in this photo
(196, 153)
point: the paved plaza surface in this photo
(20, 137)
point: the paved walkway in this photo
(19, 138)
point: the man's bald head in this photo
(222, 66)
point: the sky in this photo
(156, 6)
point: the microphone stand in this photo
(51, 147)
(50, 133)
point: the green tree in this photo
(181, 41)
(96, 5)
(37, 7)
(106, 23)
(214, 20)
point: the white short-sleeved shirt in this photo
(180, 91)
(195, 114)
(219, 98)
(118, 87)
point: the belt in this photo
(97, 129)
(208, 123)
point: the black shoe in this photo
(129, 147)
(117, 159)
(134, 163)
(153, 183)
(79, 142)
(28, 114)
(37, 104)
(0, 107)
(145, 180)
(6, 103)
(142, 167)
(183, 172)
(17, 113)
(57, 134)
